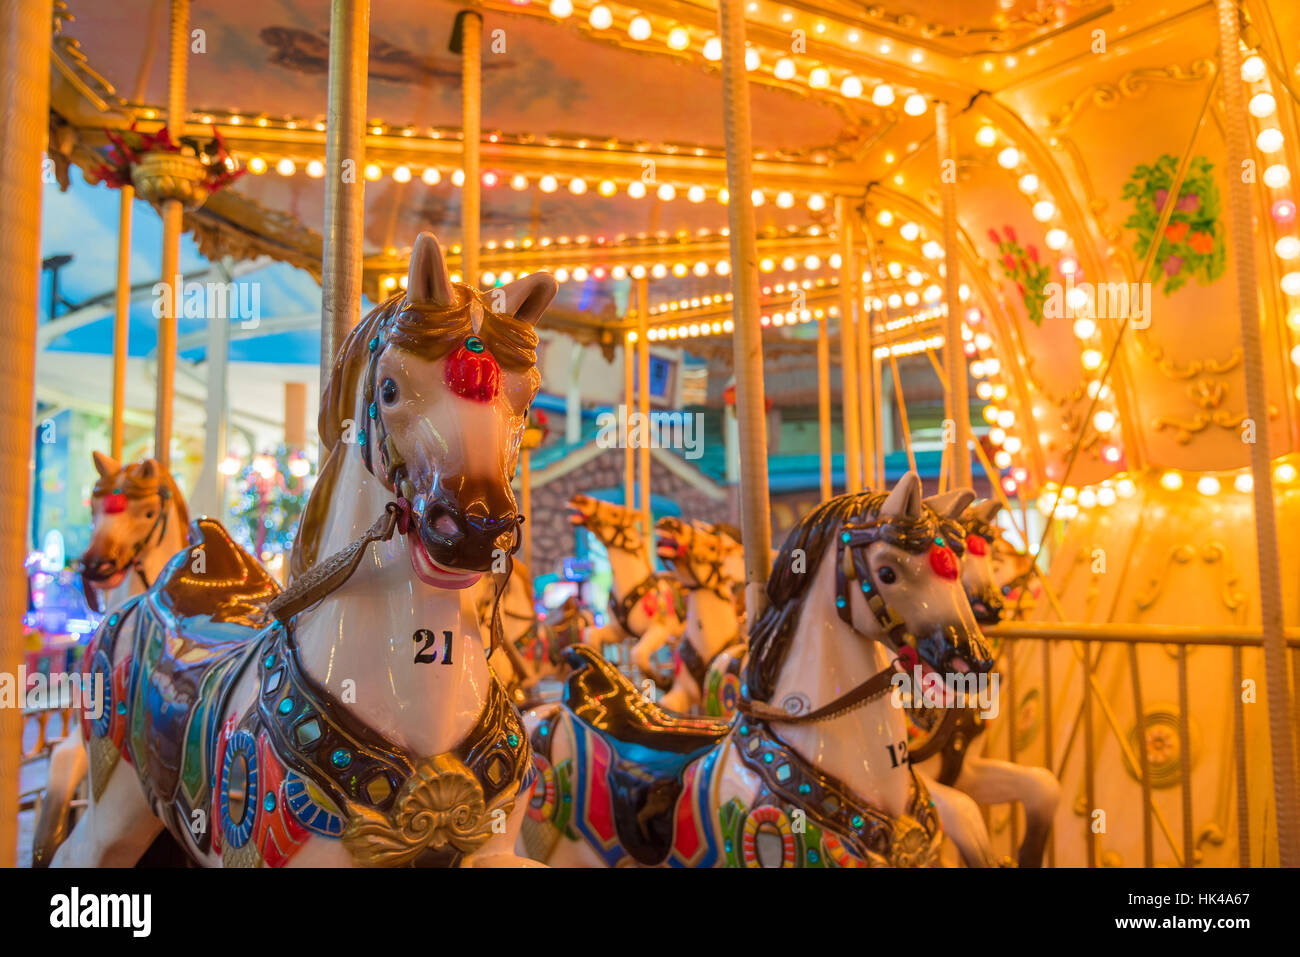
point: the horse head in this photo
(895, 578)
(615, 526)
(702, 555)
(433, 388)
(131, 507)
(977, 575)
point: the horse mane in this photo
(770, 638)
(422, 328)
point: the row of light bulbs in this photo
(680, 38)
(551, 183)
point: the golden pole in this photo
(958, 392)
(121, 314)
(747, 340)
(848, 354)
(526, 501)
(24, 119)
(629, 406)
(643, 396)
(345, 186)
(172, 212)
(1266, 540)
(866, 389)
(824, 402)
(471, 25)
(902, 411)
(295, 415)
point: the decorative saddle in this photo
(649, 751)
(254, 787)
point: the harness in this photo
(622, 608)
(159, 525)
(852, 568)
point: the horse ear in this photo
(904, 500)
(149, 469)
(104, 465)
(987, 510)
(951, 504)
(527, 297)
(428, 283)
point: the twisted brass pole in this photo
(24, 118)
(1266, 542)
(121, 317)
(958, 386)
(345, 183)
(747, 339)
(848, 354)
(471, 124)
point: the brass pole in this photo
(901, 402)
(121, 315)
(526, 501)
(345, 184)
(866, 389)
(471, 25)
(747, 341)
(848, 354)
(958, 391)
(629, 406)
(295, 415)
(643, 396)
(1266, 540)
(172, 213)
(24, 119)
(824, 402)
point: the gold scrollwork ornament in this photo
(440, 805)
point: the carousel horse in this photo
(865, 587)
(138, 521)
(709, 564)
(522, 658)
(352, 718)
(944, 757)
(644, 603)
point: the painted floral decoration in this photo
(1193, 242)
(129, 146)
(1021, 265)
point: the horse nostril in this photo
(446, 526)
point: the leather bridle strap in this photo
(874, 687)
(159, 525)
(326, 576)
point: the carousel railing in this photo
(1083, 637)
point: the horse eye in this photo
(388, 392)
(148, 514)
(887, 575)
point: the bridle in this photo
(399, 515)
(159, 525)
(614, 534)
(713, 579)
(854, 573)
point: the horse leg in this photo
(116, 829)
(499, 851)
(651, 640)
(67, 769)
(962, 821)
(683, 696)
(998, 782)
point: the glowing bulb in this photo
(1207, 485)
(756, 197)
(1253, 69)
(1288, 247)
(1085, 328)
(1262, 105)
(548, 184)
(816, 202)
(257, 165)
(752, 59)
(1103, 420)
(458, 177)
(666, 192)
(784, 69)
(1172, 480)
(1126, 488)
(1044, 210)
(431, 177)
(851, 87)
(1092, 359)
(1057, 239)
(577, 186)
(785, 199)
(914, 105)
(373, 172)
(885, 218)
(1106, 495)
(1028, 184)
(636, 189)
(1269, 140)
(679, 38)
(1291, 284)
(1009, 158)
(600, 18)
(882, 95)
(1277, 176)
(713, 49)
(561, 8)
(1285, 472)
(986, 136)
(1244, 483)
(315, 169)
(909, 231)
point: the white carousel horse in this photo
(860, 589)
(138, 521)
(363, 726)
(944, 759)
(709, 563)
(643, 601)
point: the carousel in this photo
(729, 434)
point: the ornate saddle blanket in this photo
(630, 757)
(254, 787)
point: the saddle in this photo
(209, 601)
(651, 749)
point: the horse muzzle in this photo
(465, 539)
(988, 608)
(949, 648)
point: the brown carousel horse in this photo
(138, 521)
(865, 587)
(351, 719)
